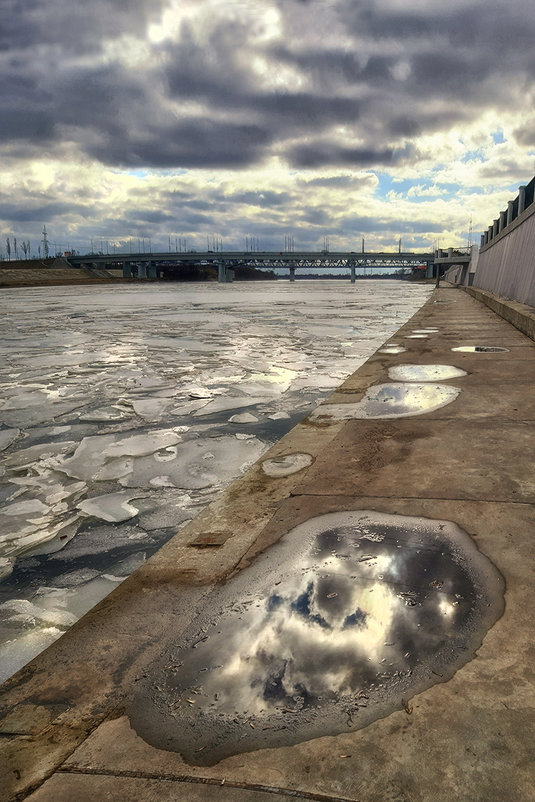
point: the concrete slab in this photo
(388, 457)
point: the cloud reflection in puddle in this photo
(392, 400)
(424, 373)
(326, 631)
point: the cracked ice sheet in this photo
(93, 452)
(196, 464)
(8, 436)
(114, 507)
(224, 404)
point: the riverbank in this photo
(57, 272)
(470, 462)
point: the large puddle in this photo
(424, 373)
(338, 624)
(394, 400)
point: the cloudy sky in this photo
(192, 119)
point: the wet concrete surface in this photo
(467, 738)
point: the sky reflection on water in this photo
(371, 606)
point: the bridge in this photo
(154, 265)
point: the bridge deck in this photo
(265, 258)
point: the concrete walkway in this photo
(65, 732)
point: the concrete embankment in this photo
(48, 272)
(66, 727)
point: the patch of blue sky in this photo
(498, 136)
(143, 172)
(473, 156)
(387, 183)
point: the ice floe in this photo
(110, 507)
(229, 402)
(8, 436)
(197, 464)
(244, 417)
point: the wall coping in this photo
(521, 316)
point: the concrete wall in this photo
(463, 274)
(507, 262)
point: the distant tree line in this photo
(13, 248)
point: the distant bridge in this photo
(155, 265)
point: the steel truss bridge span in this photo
(151, 265)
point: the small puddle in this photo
(416, 336)
(286, 465)
(424, 331)
(335, 626)
(424, 373)
(390, 401)
(392, 349)
(482, 349)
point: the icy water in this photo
(125, 410)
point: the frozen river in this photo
(124, 410)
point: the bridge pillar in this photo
(502, 221)
(490, 232)
(225, 274)
(292, 272)
(127, 270)
(153, 270)
(495, 227)
(352, 274)
(510, 205)
(142, 270)
(521, 199)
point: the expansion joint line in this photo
(187, 778)
(414, 498)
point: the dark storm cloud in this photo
(324, 152)
(23, 214)
(261, 199)
(525, 135)
(217, 77)
(199, 142)
(148, 216)
(72, 25)
(400, 73)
